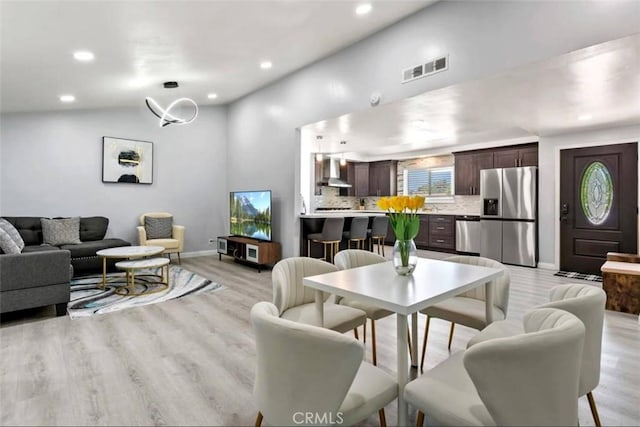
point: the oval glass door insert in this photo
(596, 193)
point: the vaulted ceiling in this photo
(207, 46)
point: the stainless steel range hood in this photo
(331, 174)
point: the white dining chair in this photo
(468, 308)
(530, 379)
(297, 302)
(307, 375)
(587, 303)
(353, 258)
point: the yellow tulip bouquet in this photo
(403, 214)
(405, 223)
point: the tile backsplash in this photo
(331, 198)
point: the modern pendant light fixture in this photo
(165, 116)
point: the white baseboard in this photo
(199, 253)
(546, 266)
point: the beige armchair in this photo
(530, 379)
(307, 375)
(296, 302)
(586, 302)
(468, 308)
(173, 244)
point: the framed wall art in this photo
(127, 161)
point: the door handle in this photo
(564, 212)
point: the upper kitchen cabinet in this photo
(360, 184)
(470, 163)
(467, 169)
(383, 178)
(516, 156)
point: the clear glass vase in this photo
(405, 256)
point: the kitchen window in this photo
(436, 184)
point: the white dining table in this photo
(432, 281)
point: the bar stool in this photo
(357, 233)
(378, 232)
(331, 235)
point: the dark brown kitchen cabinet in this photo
(467, 170)
(510, 157)
(383, 178)
(529, 156)
(422, 239)
(468, 164)
(361, 179)
(391, 236)
(442, 232)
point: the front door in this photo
(598, 205)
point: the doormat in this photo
(88, 299)
(581, 276)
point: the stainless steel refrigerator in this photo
(508, 222)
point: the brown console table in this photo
(251, 251)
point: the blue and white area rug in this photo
(88, 299)
(582, 276)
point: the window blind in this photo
(430, 182)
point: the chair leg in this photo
(383, 419)
(373, 342)
(594, 410)
(179, 260)
(453, 325)
(424, 345)
(355, 333)
(309, 248)
(382, 244)
(364, 332)
(324, 257)
(420, 419)
(259, 419)
(409, 344)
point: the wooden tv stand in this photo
(252, 251)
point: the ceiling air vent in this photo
(426, 69)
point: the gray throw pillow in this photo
(13, 233)
(58, 232)
(7, 244)
(158, 228)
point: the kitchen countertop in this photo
(358, 212)
(331, 214)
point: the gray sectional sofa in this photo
(40, 275)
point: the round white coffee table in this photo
(130, 267)
(126, 252)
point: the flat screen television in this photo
(250, 214)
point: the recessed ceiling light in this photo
(265, 65)
(83, 56)
(212, 95)
(363, 9)
(583, 117)
(67, 98)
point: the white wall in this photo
(52, 166)
(549, 176)
(481, 38)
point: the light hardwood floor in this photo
(191, 361)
